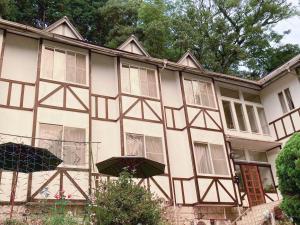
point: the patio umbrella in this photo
(140, 167)
(25, 159)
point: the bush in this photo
(13, 222)
(122, 202)
(288, 172)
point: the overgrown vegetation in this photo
(122, 202)
(226, 36)
(13, 222)
(289, 177)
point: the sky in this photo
(292, 24)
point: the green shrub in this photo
(288, 172)
(122, 202)
(13, 222)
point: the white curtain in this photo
(144, 82)
(80, 68)
(59, 69)
(219, 159)
(125, 78)
(154, 149)
(188, 87)
(135, 81)
(134, 144)
(71, 67)
(203, 162)
(152, 86)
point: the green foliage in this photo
(13, 222)
(233, 36)
(289, 177)
(122, 202)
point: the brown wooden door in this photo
(253, 185)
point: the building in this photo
(208, 128)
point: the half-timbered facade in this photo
(218, 135)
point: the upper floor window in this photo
(139, 81)
(199, 93)
(145, 146)
(67, 143)
(64, 65)
(243, 111)
(210, 159)
(286, 101)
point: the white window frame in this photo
(211, 160)
(285, 100)
(64, 78)
(203, 81)
(63, 164)
(139, 68)
(145, 147)
(244, 103)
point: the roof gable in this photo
(64, 27)
(188, 59)
(134, 46)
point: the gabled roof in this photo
(133, 45)
(54, 28)
(285, 68)
(188, 59)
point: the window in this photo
(252, 118)
(199, 93)
(257, 156)
(66, 143)
(139, 81)
(286, 101)
(266, 179)
(64, 65)
(251, 97)
(240, 116)
(140, 145)
(238, 172)
(226, 92)
(289, 98)
(239, 154)
(263, 121)
(210, 159)
(228, 115)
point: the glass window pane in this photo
(240, 116)
(257, 156)
(239, 154)
(54, 135)
(135, 144)
(226, 92)
(203, 93)
(197, 93)
(219, 159)
(135, 81)
(48, 61)
(71, 67)
(211, 97)
(251, 97)
(282, 102)
(228, 115)
(80, 69)
(154, 148)
(263, 121)
(144, 82)
(202, 158)
(289, 99)
(74, 146)
(125, 79)
(188, 88)
(252, 119)
(59, 72)
(266, 179)
(152, 86)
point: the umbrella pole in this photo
(13, 193)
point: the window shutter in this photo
(219, 159)
(80, 69)
(134, 144)
(202, 157)
(54, 134)
(74, 149)
(152, 83)
(48, 61)
(71, 67)
(154, 149)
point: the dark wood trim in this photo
(195, 117)
(61, 182)
(182, 191)
(215, 122)
(107, 120)
(202, 107)
(138, 96)
(140, 119)
(9, 94)
(17, 82)
(63, 108)
(207, 190)
(189, 138)
(64, 83)
(90, 125)
(152, 110)
(228, 193)
(49, 94)
(160, 188)
(75, 184)
(29, 187)
(120, 106)
(22, 95)
(78, 99)
(131, 106)
(2, 51)
(285, 115)
(16, 108)
(37, 85)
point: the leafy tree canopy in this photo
(232, 36)
(288, 172)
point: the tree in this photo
(122, 202)
(288, 173)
